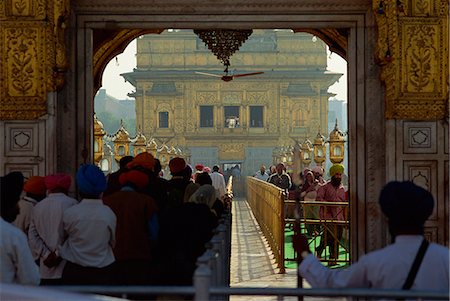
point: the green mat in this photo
(289, 255)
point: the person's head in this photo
(205, 194)
(273, 169)
(280, 168)
(191, 188)
(10, 187)
(317, 171)
(309, 177)
(406, 206)
(262, 169)
(143, 160)
(35, 188)
(199, 167)
(203, 178)
(58, 183)
(157, 168)
(216, 168)
(207, 169)
(124, 161)
(91, 181)
(177, 166)
(336, 172)
(136, 179)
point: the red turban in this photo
(144, 159)
(135, 177)
(60, 180)
(199, 167)
(35, 185)
(177, 165)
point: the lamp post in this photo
(99, 132)
(337, 140)
(152, 147)
(121, 141)
(319, 149)
(306, 153)
(139, 144)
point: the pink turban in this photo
(207, 169)
(318, 169)
(58, 181)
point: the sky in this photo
(116, 86)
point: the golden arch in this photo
(109, 43)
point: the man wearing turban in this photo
(136, 230)
(407, 207)
(90, 227)
(35, 192)
(46, 233)
(176, 186)
(16, 262)
(333, 191)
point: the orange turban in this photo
(135, 177)
(35, 185)
(144, 159)
(60, 180)
(177, 165)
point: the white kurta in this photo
(218, 182)
(22, 220)
(386, 268)
(90, 227)
(46, 232)
(16, 262)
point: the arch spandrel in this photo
(109, 43)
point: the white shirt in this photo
(23, 220)
(46, 230)
(261, 176)
(218, 182)
(16, 262)
(386, 268)
(90, 227)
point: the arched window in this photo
(164, 119)
(299, 117)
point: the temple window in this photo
(256, 116)
(163, 119)
(206, 116)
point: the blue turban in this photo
(91, 180)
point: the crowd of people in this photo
(130, 228)
(313, 187)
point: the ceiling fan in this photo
(227, 77)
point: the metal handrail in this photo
(267, 204)
(258, 291)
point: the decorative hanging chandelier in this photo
(223, 42)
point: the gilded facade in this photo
(177, 103)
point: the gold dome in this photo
(320, 139)
(337, 135)
(98, 127)
(140, 139)
(122, 134)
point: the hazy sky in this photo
(116, 86)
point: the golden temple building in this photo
(182, 101)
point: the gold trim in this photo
(412, 49)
